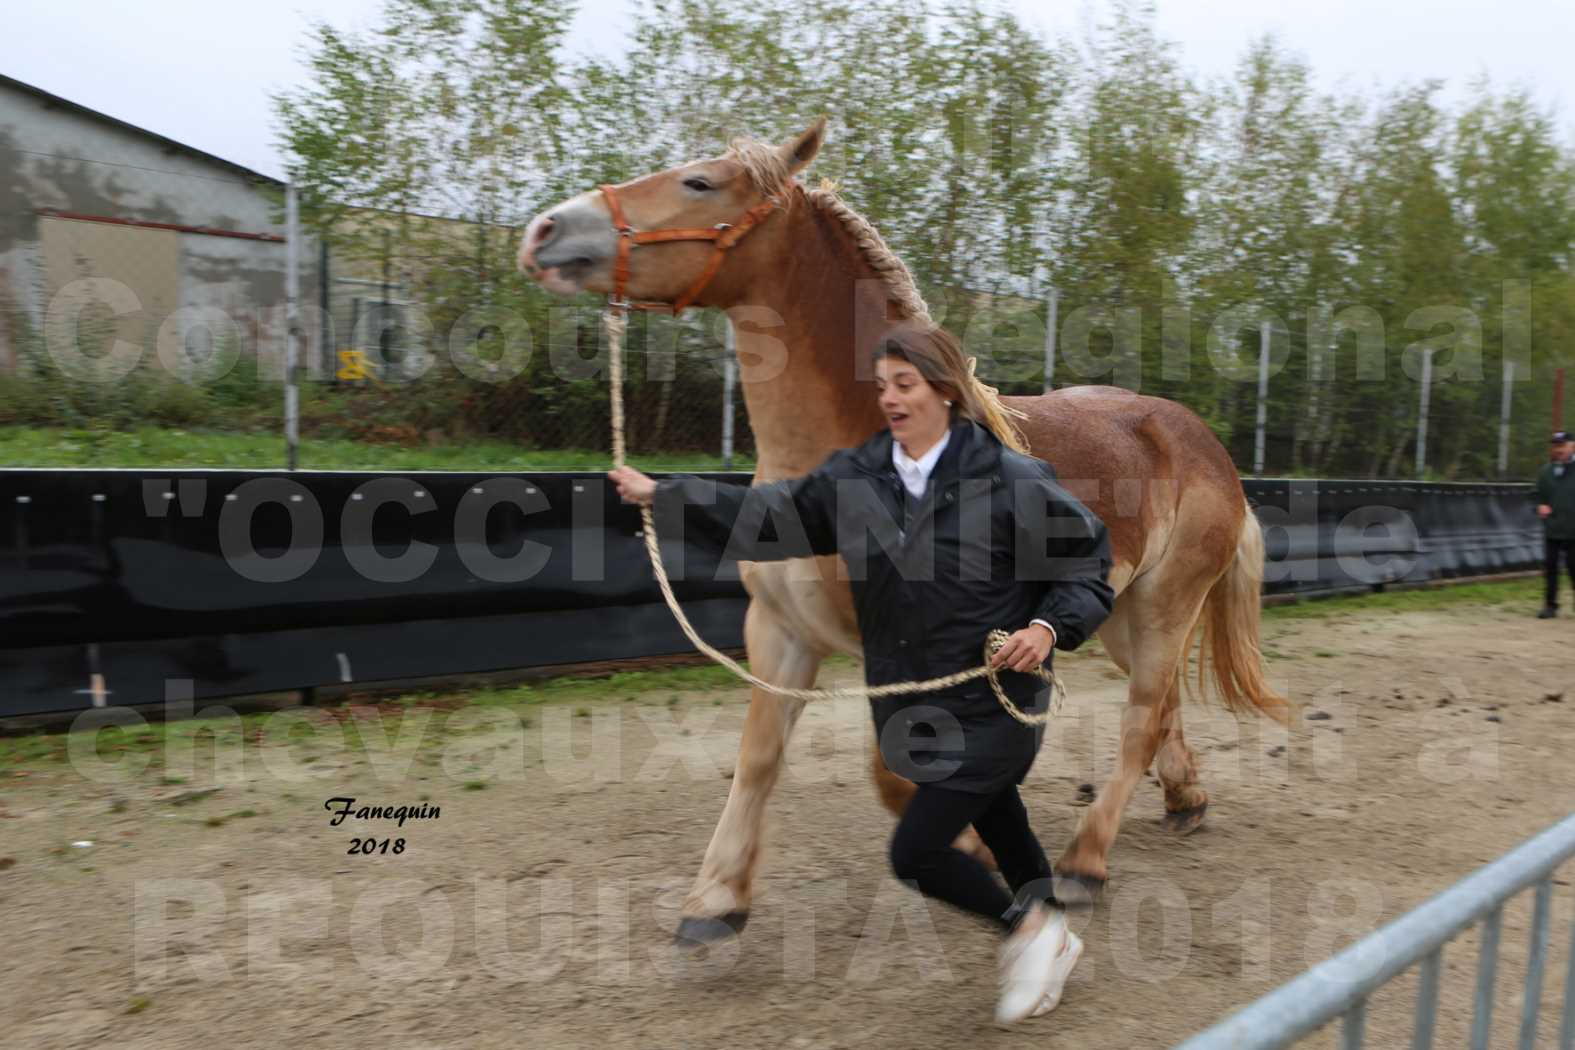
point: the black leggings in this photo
(1552, 549)
(921, 851)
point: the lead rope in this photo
(614, 322)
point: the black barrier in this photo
(115, 582)
(1333, 535)
(248, 582)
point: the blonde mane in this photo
(768, 172)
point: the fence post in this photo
(1503, 421)
(729, 371)
(1050, 331)
(1421, 415)
(292, 335)
(325, 306)
(1263, 397)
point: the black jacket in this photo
(1555, 486)
(994, 542)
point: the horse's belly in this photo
(808, 599)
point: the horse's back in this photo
(1131, 459)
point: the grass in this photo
(1496, 593)
(146, 743)
(134, 741)
(624, 685)
(170, 447)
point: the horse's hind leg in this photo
(1185, 800)
(1155, 638)
(718, 903)
(1174, 761)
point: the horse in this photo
(739, 232)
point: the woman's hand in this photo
(633, 486)
(1024, 650)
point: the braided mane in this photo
(768, 172)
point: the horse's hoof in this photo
(1073, 890)
(696, 932)
(1185, 821)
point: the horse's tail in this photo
(1229, 622)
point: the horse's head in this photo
(573, 246)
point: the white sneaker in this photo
(1029, 968)
(1061, 969)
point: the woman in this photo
(948, 530)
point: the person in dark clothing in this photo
(948, 531)
(1554, 494)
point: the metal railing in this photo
(1340, 986)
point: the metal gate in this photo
(1340, 986)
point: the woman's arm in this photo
(770, 522)
(1065, 546)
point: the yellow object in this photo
(352, 366)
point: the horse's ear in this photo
(798, 152)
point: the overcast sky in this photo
(201, 71)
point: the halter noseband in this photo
(724, 234)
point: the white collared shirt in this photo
(915, 474)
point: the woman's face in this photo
(915, 410)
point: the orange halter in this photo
(724, 234)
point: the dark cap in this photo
(1561, 436)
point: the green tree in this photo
(1265, 252)
(1515, 185)
(1126, 211)
(1170, 215)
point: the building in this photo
(162, 236)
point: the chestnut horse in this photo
(1188, 552)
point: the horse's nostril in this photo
(545, 230)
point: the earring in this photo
(948, 404)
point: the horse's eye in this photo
(698, 185)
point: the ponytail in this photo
(983, 404)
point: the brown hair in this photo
(938, 356)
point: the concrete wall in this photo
(54, 156)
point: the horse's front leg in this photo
(718, 905)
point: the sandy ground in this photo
(535, 910)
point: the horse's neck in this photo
(805, 400)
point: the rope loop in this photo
(613, 321)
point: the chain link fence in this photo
(143, 323)
(508, 377)
(148, 328)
